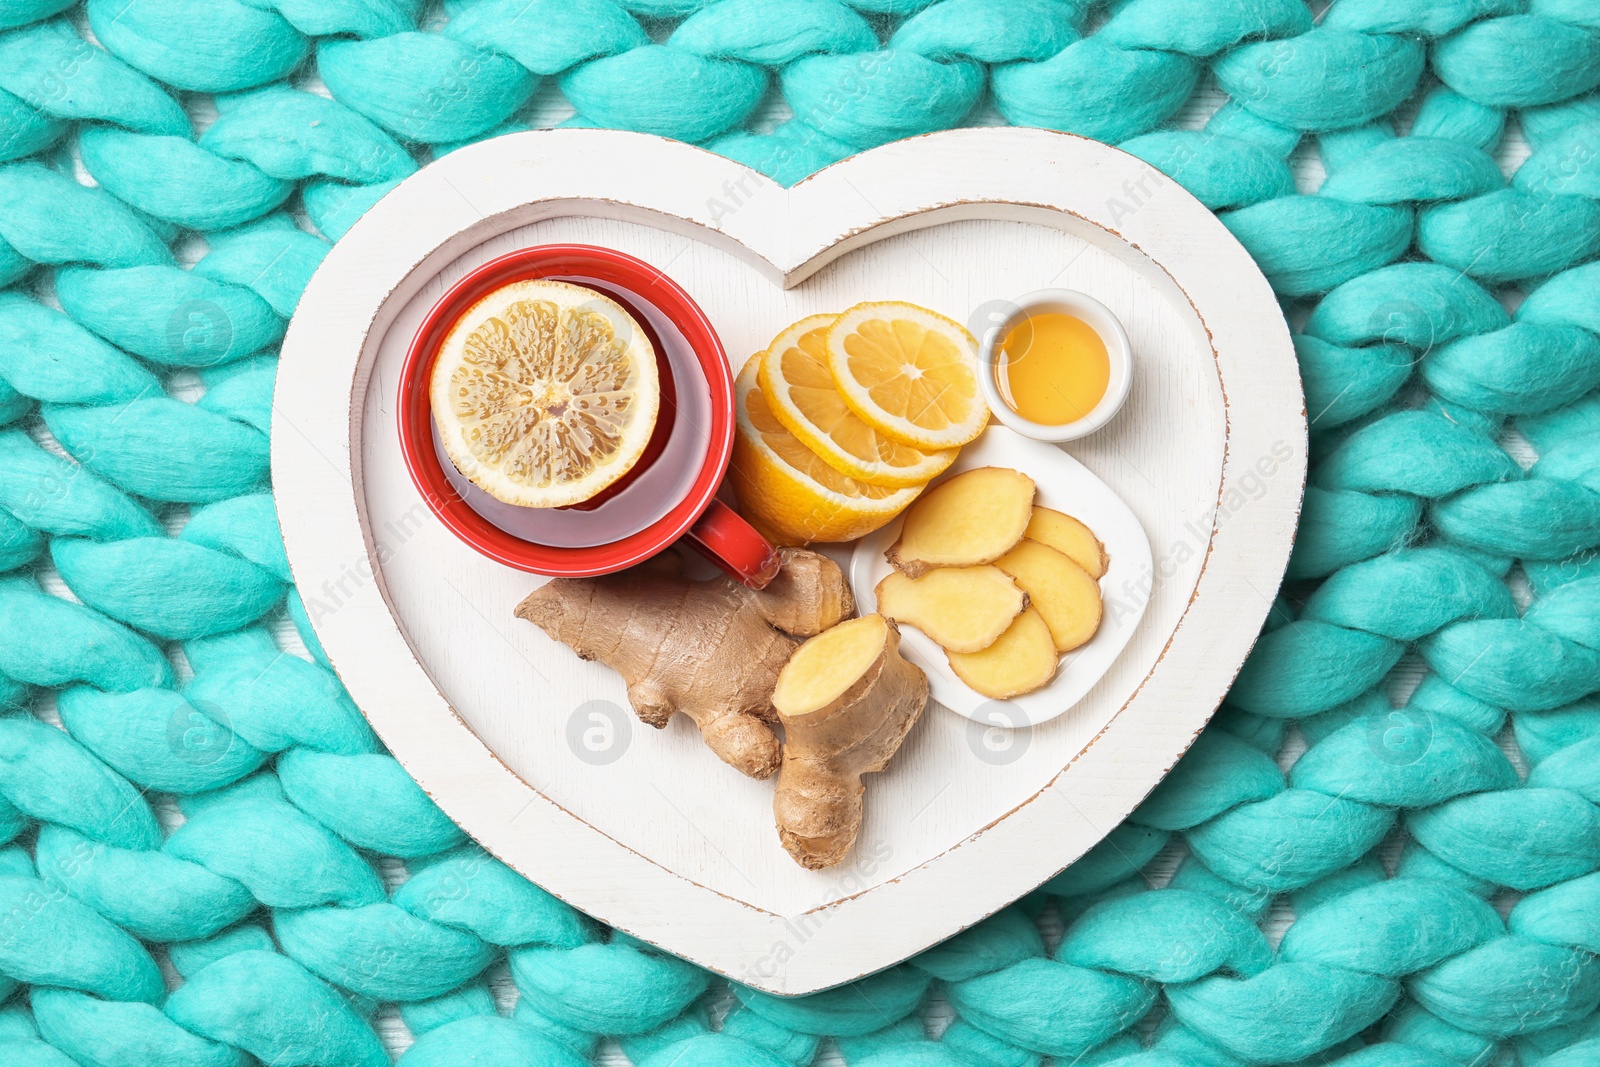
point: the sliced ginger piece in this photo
(963, 609)
(1062, 592)
(1023, 659)
(847, 699)
(975, 517)
(1070, 537)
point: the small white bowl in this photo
(1069, 302)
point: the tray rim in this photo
(1060, 179)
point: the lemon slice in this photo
(786, 491)
(799, 388)
(545, 393)
(910, 373)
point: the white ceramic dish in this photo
(1065, 485)
(1101, 319)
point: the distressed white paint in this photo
(666, 842)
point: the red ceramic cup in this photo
(710, 526)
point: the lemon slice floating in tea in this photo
(545, 393)
(909, 373)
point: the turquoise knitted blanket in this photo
(210, 860)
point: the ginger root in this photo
(847, 699)
(712, 650)
(975, 517)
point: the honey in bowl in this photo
(1052, 368)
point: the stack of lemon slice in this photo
(844, 419)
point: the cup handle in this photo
(725, 539)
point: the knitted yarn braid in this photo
(211, 860)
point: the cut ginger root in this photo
(974, 518)
(847, 699)
(1070, 537)
(963, 609)
(1022, 660)
(712, 650)
(1061, 591)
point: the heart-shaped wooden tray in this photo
(535, 753)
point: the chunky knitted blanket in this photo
(212, 862)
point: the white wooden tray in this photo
(534, 753)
